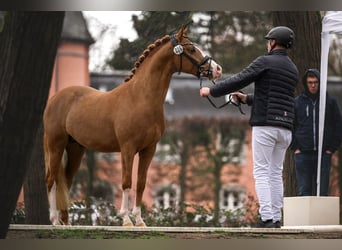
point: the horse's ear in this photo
(182, 32)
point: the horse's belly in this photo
(99, 144)
(97, 139)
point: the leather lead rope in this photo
(230, 101)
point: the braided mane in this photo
(146, 52)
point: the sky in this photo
(118, 24)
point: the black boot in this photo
(277, 224)
(265, 224)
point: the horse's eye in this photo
(192, 49)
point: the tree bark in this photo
(306, 53)
(307, 26)
(36, 202)
(28, 45)
(184, 156)
(339, 167)
(91, 164)
(218, 164)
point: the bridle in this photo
(179, 50)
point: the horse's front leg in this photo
(124, 210)
(127, 165)
(145, 157)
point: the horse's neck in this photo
(153, 77)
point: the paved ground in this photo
(108, 232)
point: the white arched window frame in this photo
(166, 196)
(232, 198)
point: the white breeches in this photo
(269, 147)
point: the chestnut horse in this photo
(129, 119)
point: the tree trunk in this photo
(91, 164)
(339, 167)
(28, 44)
(306, 53)
(290, 182)
(184, 155)
(36, 202)
(307, 26)
(217, 187)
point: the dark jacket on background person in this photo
(305, 136)
(275, 77)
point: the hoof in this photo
(141, 224)
(56, 222)
(128, 224)
(60, 223)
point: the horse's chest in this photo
(143, 128)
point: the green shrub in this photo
(102, 213)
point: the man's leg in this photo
(276, 171)
(305, 168)
(262, 145)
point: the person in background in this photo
(275, 77)
(305, 136)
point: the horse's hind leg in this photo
(74, 156)
(145, 157)
(55, 178)
(75, 152)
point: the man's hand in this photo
(297, 151)
(239, 97)
(205, 91)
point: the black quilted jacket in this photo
(275, 77)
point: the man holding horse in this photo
(275, 77)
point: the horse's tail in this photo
(62, 191)
(55, 179)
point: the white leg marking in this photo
(124, 209)
(54, 213)
(138, 220)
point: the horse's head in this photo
(190, 59)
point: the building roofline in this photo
(75, 28)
